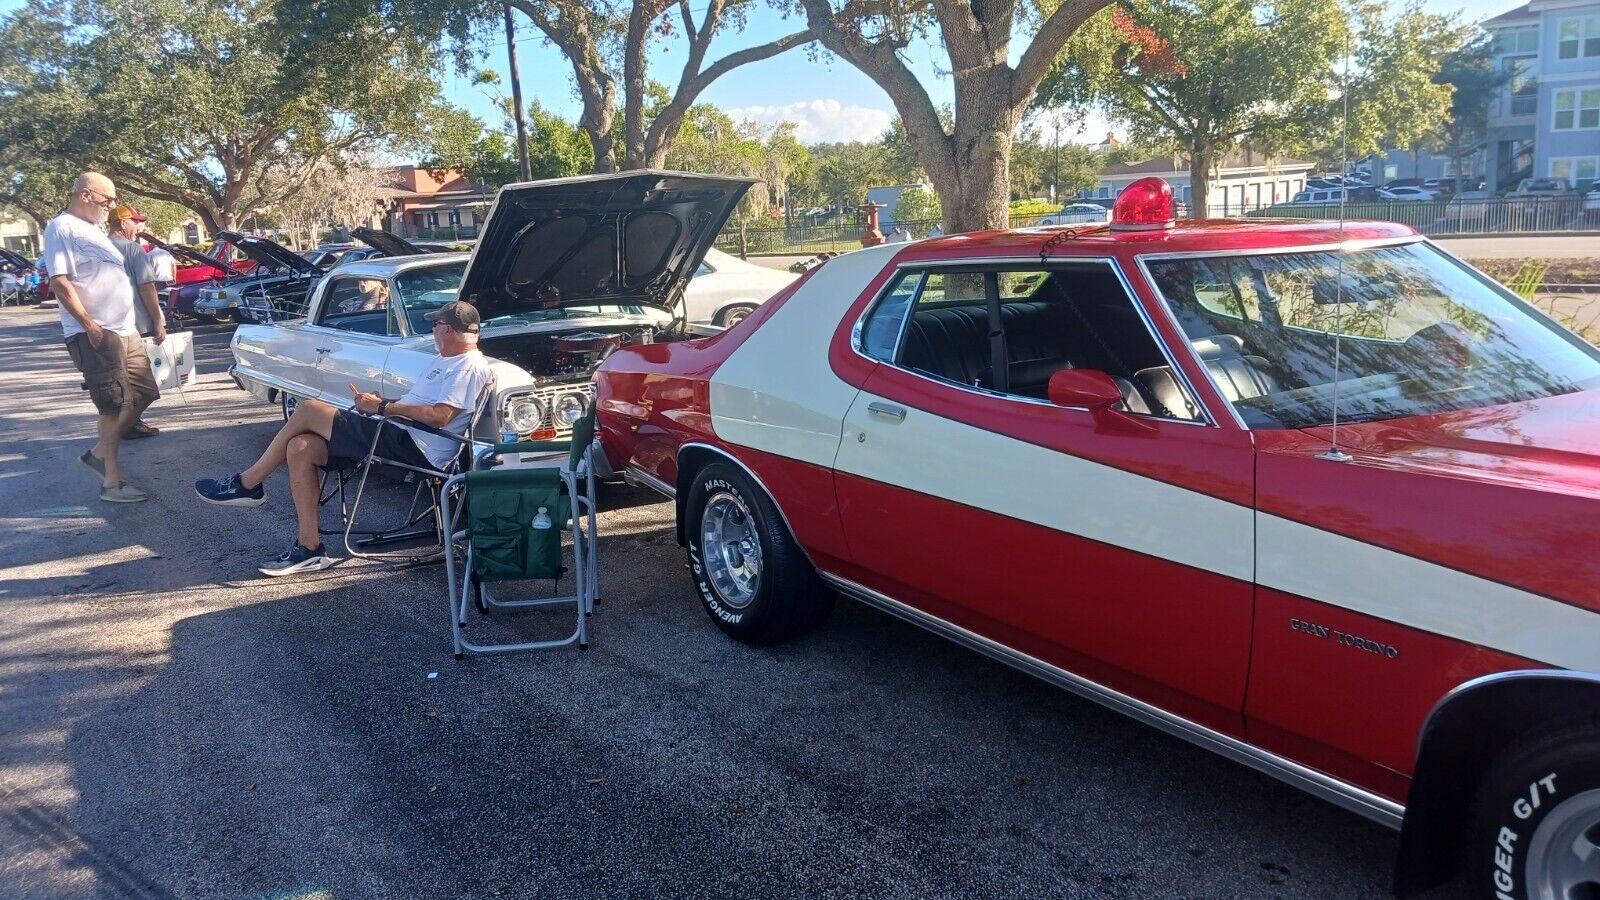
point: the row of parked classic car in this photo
(1316, 496)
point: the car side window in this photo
(703, 269)
(358, 304)
(881, 334)
(1006, 331)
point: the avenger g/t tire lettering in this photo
(751, 576)
(1535, 825)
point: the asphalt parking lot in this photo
(173, 725)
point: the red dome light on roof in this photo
(1145, 205)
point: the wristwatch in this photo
(383, 405)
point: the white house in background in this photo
(21, 236)
(1243, 181)
(889, 196)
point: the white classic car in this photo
(567, 271)
(725, 289)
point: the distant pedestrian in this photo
(166, 266)
(91, 285)
(142, 276)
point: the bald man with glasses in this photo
(90, 283)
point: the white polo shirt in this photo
(83, 252)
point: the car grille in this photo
(547, 397)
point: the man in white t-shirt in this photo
(322, 436)
(96, 300)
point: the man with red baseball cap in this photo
(124, 227)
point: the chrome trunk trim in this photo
(1340, 793)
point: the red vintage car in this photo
(1318, 497)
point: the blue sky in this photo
(828, 99)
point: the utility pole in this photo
(517, 112)
(1055, 180)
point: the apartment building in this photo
(1546, 121)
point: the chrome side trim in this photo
(1289, 249)
(759, 483)
(640, 478)
(1340, 793)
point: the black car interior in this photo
(1078, 317)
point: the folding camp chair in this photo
(429, 483)
(501, 544)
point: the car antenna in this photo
(1333, 453)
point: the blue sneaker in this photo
(230, 491)
(295, 560)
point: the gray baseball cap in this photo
(460, 315)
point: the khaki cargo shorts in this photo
(115, 373)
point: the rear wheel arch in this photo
(1467, 731)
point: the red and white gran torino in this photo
(1108, 456)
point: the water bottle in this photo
(541, 522)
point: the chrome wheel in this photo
(290, 403)
(736, 315)
(1564, 855)
(731, 548)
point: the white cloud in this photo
(820, 121)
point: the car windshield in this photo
(1418, 333)
(426, 288)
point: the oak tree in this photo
(967, 159)
(1208, 76)
(222, 106)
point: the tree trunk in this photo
(633, 87)
(975, 194)
(604, 145)
(1200, 157)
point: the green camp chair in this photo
(501, 544)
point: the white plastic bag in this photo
(172, 360)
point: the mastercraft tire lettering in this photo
(752, 578)
(1535, 830)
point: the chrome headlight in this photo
(570, 408)
(524, 414)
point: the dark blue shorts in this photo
(351, 441)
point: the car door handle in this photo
(888, 411)
(324, 349)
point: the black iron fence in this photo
(1502, 215)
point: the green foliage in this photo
(164, 216)
(1037, 162)
(1474, 79)
(556, 148)
(1207, 76)
(918, 204)
(1396, 99)
(222, 106)
(1035, 207)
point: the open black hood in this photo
(385, 242)
(194, 256)
(10, 260)
(268, 253)
(623, 238)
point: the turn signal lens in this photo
(1145, 205)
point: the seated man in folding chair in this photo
(320, 435)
